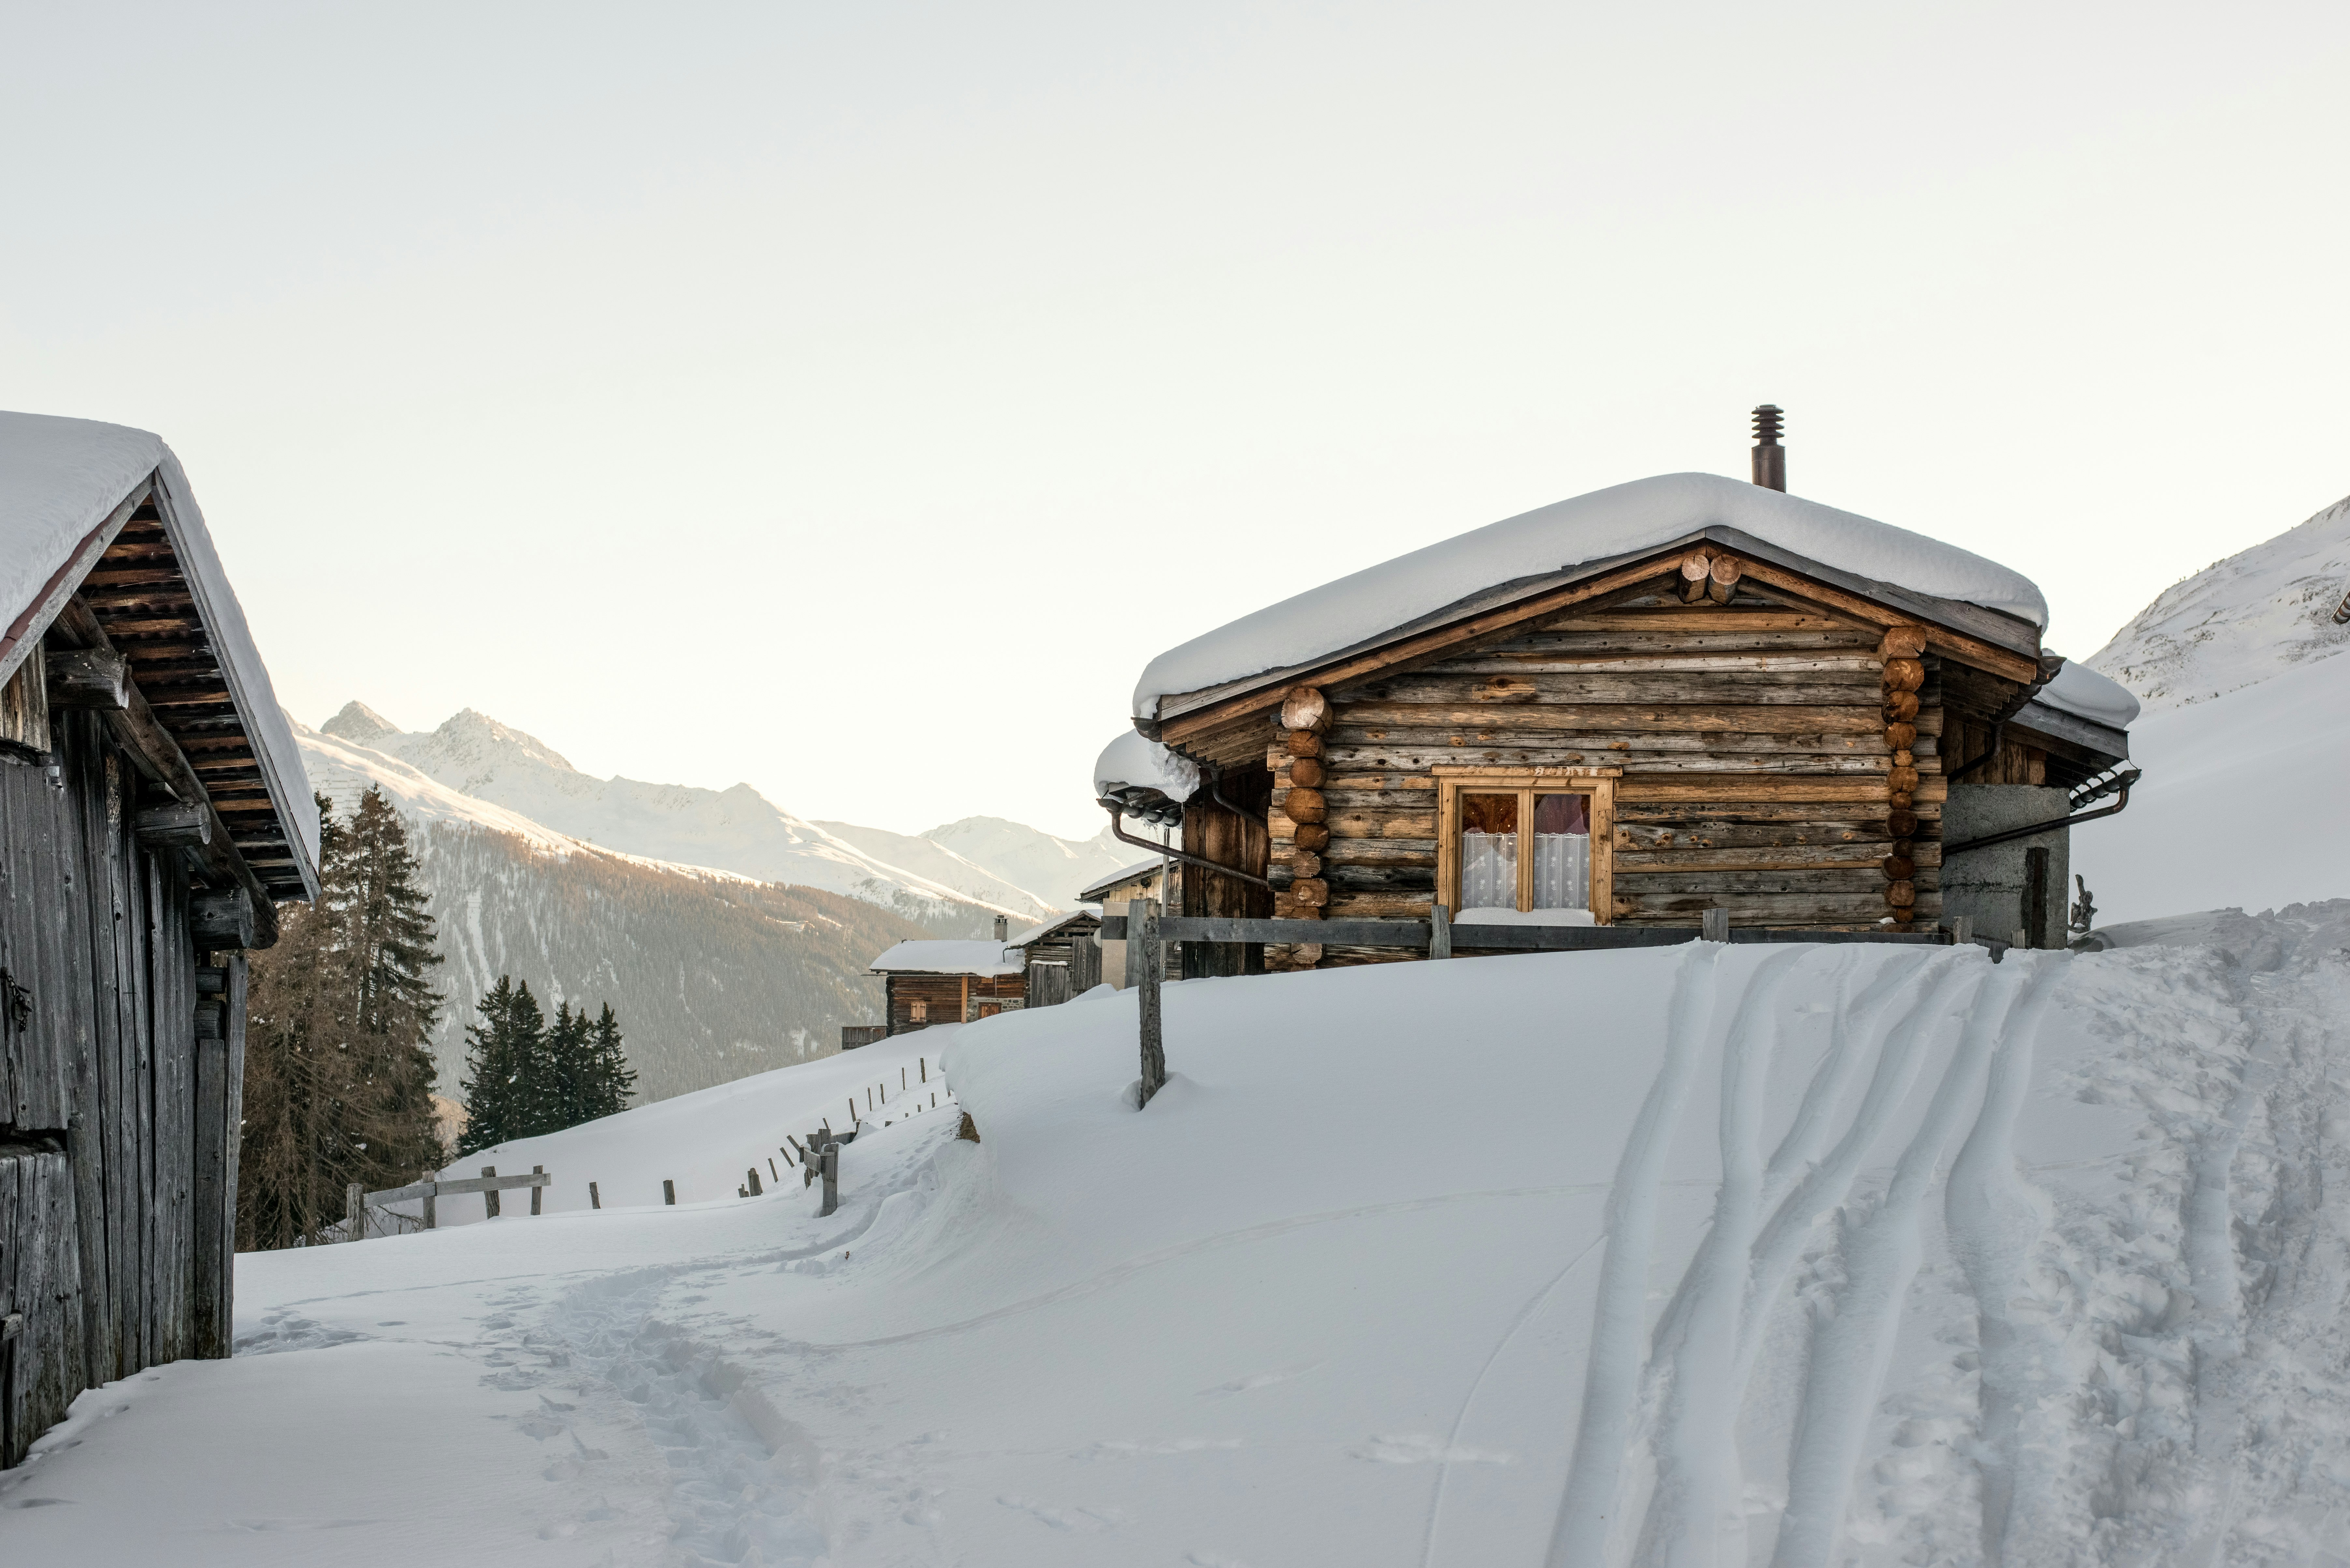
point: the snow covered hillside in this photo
(2243, 620)
(2245, 714)
(1798, 1255)
(715, 975)
(1047, 869)
(735, 829)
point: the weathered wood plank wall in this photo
(1753, 749)
(117, 1131)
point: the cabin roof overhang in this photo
(2003, 644)
(135, 575)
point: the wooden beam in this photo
(1880, 618)
(223, 919)
(88, 678)
(179, 823)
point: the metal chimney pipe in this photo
(1770, 457)
(1003, 927)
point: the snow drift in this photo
(1802, 1255)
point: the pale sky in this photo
(851, 399)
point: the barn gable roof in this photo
(69, 490)
(1484, 574)
(973, 958)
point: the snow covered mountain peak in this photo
(2238, 622)
(359, 725)
(472, 742)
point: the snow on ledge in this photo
(982, 958)
(1131, 761)
(2082, 692)
(1622, 520)
(1524, 918)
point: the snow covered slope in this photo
(2255, 615)
(1804, 1255)
(1055, 869)
(927, 858)
(735, 829)
(2245, 714)
(713, 975)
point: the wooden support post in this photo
(754, 1183)
(831, 1179)
(1714, 925)
(669, 1192)
(595, 1198)
(777, 1175)
(1962, 930)
(1440, 932)
(925, 1061)
(431, 1206)
(355, 1211)
(536, 1192)
(1154, 975)
(490, 1199)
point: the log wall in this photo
(1755, 744)
(117, 1122)
(947, 998)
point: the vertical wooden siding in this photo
(117, 1141)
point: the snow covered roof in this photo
(1057, 923)
(1116, 879)
(983, 958)
(65, 485)
(1131, 761)
(1626, 519)
(2082, 692)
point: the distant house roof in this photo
(67, 490)
(1488, 567)
(1051, 928)
(978, 958)
(1140, 871)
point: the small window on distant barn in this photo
(922, 1011)
(1521, 844)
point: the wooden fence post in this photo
(831, 1179)
(491, 1197)
(355, 1210)
(1154, 975)
(431, 1206)
(754, 1183)
(595, 1198)
(536, 1191)
(1714, 925)
(669, 1192)
(1439, 931)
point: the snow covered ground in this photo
(1793, 1255)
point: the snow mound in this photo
(2082, 692)
(1624, 519)
(947, 957)
(2254, 615)
(1865, 1254)
(1131, 761)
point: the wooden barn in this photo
(928, 982)
(1116, 892)
(1682, 694)
(154, 810)
(1060, 958)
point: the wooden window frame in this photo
(1597, 784)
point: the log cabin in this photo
(1680, 694)
(1116, 894)
(925, 984)
(153, 813)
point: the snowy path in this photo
(1800, 1257)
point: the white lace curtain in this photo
(1562, 871)
(1489, 871)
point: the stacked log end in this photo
(1305, 715)
(1902, 650)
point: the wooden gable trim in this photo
(24, 633)
(1991, 640)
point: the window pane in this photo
(1489, 852)
(1561, 852)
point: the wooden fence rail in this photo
(488, 1183)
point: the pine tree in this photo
(565, 1098)
(505, 1068)
(337, 1084)
(611, 1082)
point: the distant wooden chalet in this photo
(1116, 893)
(152, 811)
(931, 982)
(1680, 694)
(1060, 958)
